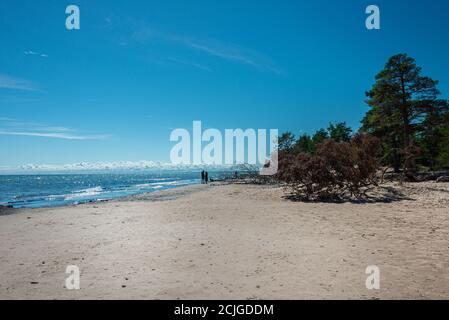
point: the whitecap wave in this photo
(89, 192)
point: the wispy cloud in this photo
(233, 53)
(15, 99)
(8, 82)
(108, 21)
(144, 34)
(51, 135)
(12, 127)
(34, 53)
(141, 32)
(190, 63)
(221, 52)
(230, 52)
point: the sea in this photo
(51, 190)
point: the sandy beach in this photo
(231, 242)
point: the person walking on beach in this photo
(202, 176)
(206, 177)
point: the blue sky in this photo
(115, 89)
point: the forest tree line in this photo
(406, 114)
(406, 129)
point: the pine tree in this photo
(340, 132)
(304, 145)
(400, 100)
(286, 141)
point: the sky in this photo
(115, 89)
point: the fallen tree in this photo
(336, 169)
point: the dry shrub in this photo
(334, 171)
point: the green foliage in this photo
(304, 145)
(412, 124)
(286, 141)
(340, 132)
(405, 114)
(432, 133)
(320, 136)
(443, 154)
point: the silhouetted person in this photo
(206, 177)
(202, 176)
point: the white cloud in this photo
(12, 127)
(34, 53)
(8, 82)
(190, 63)
(112, 166)
(232, 53)
(143, 33)
(57, 135)
(228, 53)
(235, 53)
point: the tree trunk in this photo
(409, 163)
(405, 115)
(396, 159)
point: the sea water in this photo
(49, 190)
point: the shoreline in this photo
(153, 196)
(230, 241)
(156, 195)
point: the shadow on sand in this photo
(381, 194)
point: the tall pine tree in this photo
(400, 100)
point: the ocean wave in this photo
(73, 189)
(89, 192)
(163, 184)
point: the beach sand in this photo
(230, 242)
